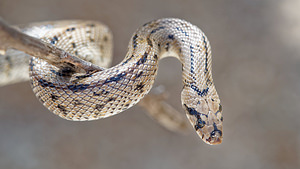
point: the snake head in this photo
(206, 118)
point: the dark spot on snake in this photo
(89, 31)
(103, 92)
(105, 38)
(54, 97)
(126, 105)
(206, 54)
(220, 107)
(92, 40)
(76, 52)
(182, 31)
(66, 71)
(31, 64)
(147, 23)
(77, 102)
(167, 46)
(155, 57)
(115, 78)
(171, 37)
(143, 59)
(45, 83)
(99, 106)
(221, 118)
(70, 29)
(74, 45)
(139, 86)
(129, 58)
(111, 99)
(139, 74)
(158, 45)
(199, 92)
(134, 42)
(54, 39)
(157, 29)
(84, 76)
(8, 59)
(78, 88)
(91, 25)
(61, 108)
(149, 42)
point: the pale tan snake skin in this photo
(81, 96)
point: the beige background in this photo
(256, 69)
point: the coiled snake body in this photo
(81, 96)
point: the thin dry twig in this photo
(10, 37)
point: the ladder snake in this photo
(82, 96)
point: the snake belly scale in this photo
(81, 96)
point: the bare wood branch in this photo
(12, 38)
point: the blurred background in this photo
(256, 70)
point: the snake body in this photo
(81, 96)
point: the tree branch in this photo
(12, 38)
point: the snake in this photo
(84, 96)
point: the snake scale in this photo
(81, 96)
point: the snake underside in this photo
(81, 96)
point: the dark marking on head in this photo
(54, 97)
(54, 40)
(216, 130)
(200, 123)
(84, 76)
